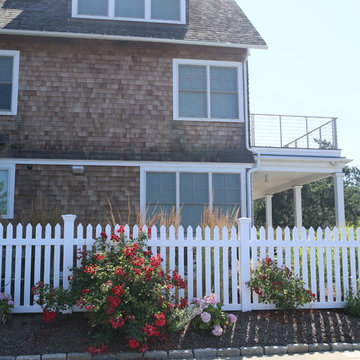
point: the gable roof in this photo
(209, 22)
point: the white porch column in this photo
(298, 206)
(268, 207)
(339, 199)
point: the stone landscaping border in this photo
(208, 353)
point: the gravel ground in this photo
(27, 334)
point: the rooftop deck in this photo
(291, 131)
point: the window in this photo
(7, 183)
(9, 77)
(207, 90)
(165, 11)
(191, 192)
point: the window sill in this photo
(209, 120)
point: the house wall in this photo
(43, 193)
(84, 99)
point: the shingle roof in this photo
(215, 21)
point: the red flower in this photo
(98, 351)
(133, 344)
(88, 307)
(103, 235)
(118, 271)
(85, 291)
(98, 257)
(118, 290)
(121, 229)
(91, 269)
(149, 233)
(156, 261)
(268, 261)
(159, 319)
(49, 315)
(150, 330)
(117, 323)
(113, 301)
(178, 280)
(137, 271)
(115, 238)
(183, 304)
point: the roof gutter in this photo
(123, 38)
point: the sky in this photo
(312, 64)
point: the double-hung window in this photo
(166, 11)
(191, 193)
(208, 90)
(9, 77)
(7, 185)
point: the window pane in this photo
(226, 188)
(5, 96)
(160, 188)
(130, 9)
(191, 215)
(6, 69)
(3, 191)
(165, 9)
(223, 79)
(194, 188)
(93, 7)
(224, 106)
(192, 78)
(192, 104)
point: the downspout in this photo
(247, 140)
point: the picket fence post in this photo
(68, 261)
(244, 237)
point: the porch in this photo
(292, 151)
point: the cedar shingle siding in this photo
(83, 99)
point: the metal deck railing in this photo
(291, 131)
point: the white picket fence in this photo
(211, 261)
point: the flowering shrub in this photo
(124, 290)
(6, 307)
(209, 316)
(279, 286)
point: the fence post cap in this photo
(69, 217)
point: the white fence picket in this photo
(181, 259)
(329, 266)
(199, 262)
(190, 266)
(226, 270)
(217, 268)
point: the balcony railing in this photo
(290, 131)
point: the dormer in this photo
(153, 11)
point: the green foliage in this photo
(279, 286)
(353, 303)
(124, 290)
(207, 315)
(6, 307)
(318, 203)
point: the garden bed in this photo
(27, 334)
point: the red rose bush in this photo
(125, 291)
(279, 286)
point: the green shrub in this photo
(353, 303)
(125, 292)
(279, 286)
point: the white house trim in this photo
(206, 166)
(300, 152)
(339, 199)
(298, 206)
(125, 38)
(15, 80)
(147, 18)
(208, 63)
(11, 190)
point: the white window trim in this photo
(15, 81)
(11, 190)
(207, 63)
(147, 18)
(200, 168)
